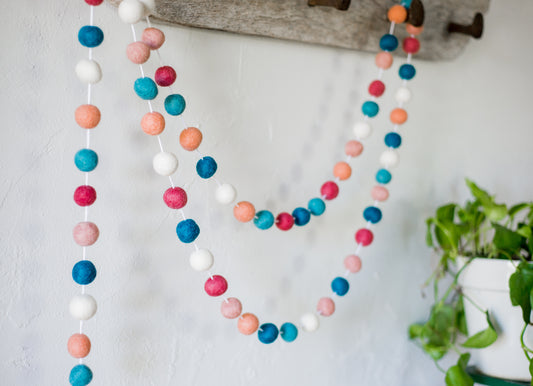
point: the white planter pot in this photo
(486, 282)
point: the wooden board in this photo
(358, 28)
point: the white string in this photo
(89, 94)
(391, 29)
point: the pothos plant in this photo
(481, 228)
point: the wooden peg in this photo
(475, 29)
(341, 5)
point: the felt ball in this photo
(138, 52)
(376, 88)
(231, 308)
(362, 130)
(94, 2)
(79, 345)
(388, 42)
(145, 88)
(342, 170)
(284, 221)
(383, 176)
(225, 194)
(187, 231)
(82, 307)
(364, 237)
(398, 116)
(153, 37)
(329, 190)
(90, 36)
(353, 263)
(316, 206)
(397, 14)
(393, 140)
(165, 76)
(379, 193)
(264, 219)
(87, 116)
(175, 198)
(384, 60)
(85, 233)
(190, 138)
(407, 71)
(372, 214)
(402, 95)
(86, 160)
(389, 158)
(84, 272)
(267, 333)
(370, 109)
(244, 211)
(84, 195)
(288, 332)
(301, 216)
(80, 375)
(309, 322)
(201, 260)
(153, 123)
(325, 307)
(88, 71)
(340, 286)
(412, 30)
(206, 167)
(247, 323)
(174, 104)
(216, 285)
(131, 11)
(411, 45)
(353, 148)
(165, 163)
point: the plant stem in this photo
(524, 347)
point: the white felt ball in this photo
(403, 95)
(149, 7)
(309, 322)
(82, 307)
(88, 71)
(165, 163)
(131, 11)
(362, 130)
(201, 260)
(389, 158)
(225, 194)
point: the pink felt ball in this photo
(175, 198)
(353, 148)
(379, 193)
(376, 88)
(326, 307)
(153, 37)
(384, 60)
(84, 195)
(364, 237)
(94, 2)
(231, 308)
(248, 324)
(138, 52)
(165, 76)
(411, 45)
(79, 345)
(85, 233)
(284, 221)
(216, 285)
(353, 263)
(329, 190)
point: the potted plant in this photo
(483, 284)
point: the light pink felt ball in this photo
(85, 233)
(326, 306)
(379, 193)
(353, 263)
(231, 308)
(353, 148)
(153, 37)
(138, 52)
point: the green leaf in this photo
(506, 239)
(520, 286)
(446, 212)
(530, 245)
(457, 375)
(518, 208)
(483, 338)
(435, 351)
(415, 330)
(496, 212)
(429, 236)
(479, 193)
(531, 370)
(524, 231)
(461, 318)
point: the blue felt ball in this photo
(393, 140)
(383, 176)
(90, 36)
(301, 216)
(288, 332)
(187, 231)
(371, 109)
(174, 104)
(372, 214)
(316, 206)
(80, 375)
(388, 42)
(145, 88)
(340, 286)
(86, 160)
(206, 167)
(264, 219)
(407, 71)
(267, 333)
(84, 272)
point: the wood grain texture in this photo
(359, 28)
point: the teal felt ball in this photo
(187, 231)
(316, 206)
(301, 216)
(372, 214)
(393, 140)
(267, 333)
(264, 219)
(370, 109)
(80, 375)
(90, 36)
(407, 71)
(340, 286)
(383, 176)
(84, 272)
(174, 104)
(145, 88)
(206, 167)
(86, 160)
(288, 332)
(388, 42)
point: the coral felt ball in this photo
(412, 30)
(288, 332)
(82, 307)
(206, 167)
(87, 116)
(397, 14)
(165, 76)
(353, 263)
(175, 104)
(342, 171)
(329, 190)
(244, 211)
(225, 194)
(80, 375)
(248, 324)
(267, 333)
(379, 193)
(90, 36)
(372, 214)
(165, 163)
(383, 176)
(326, 306)
(86, 160)
(376, 88)
(138, 52)
(187, 231)
(398, 116)
(411, 45)
(353, 148)
(153, 37)
(301, 216)
(284, 221)
(175, 198)
(88, 71)
(84, 272)
(79, 345)
(190, 138)
(340, 286)
(145, 88)
(131, 11)
(201, 260)
(264, 219)
(364, 237)
(384, 60)
(216, 285)
(85, 233)
(316, 206)
(84, 195)
(94, 2)
(153, 123)
(231, 308)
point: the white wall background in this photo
(275, 115)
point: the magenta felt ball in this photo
(84, 195)
(329, 190)
(175, 198)
(85, 233)
(376, 88)
(216, 285)
(231, 308)
(165, 76)
(94, 2)
(411, 45)
(284, 221)
(364, 237)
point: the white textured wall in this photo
(275, 115)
